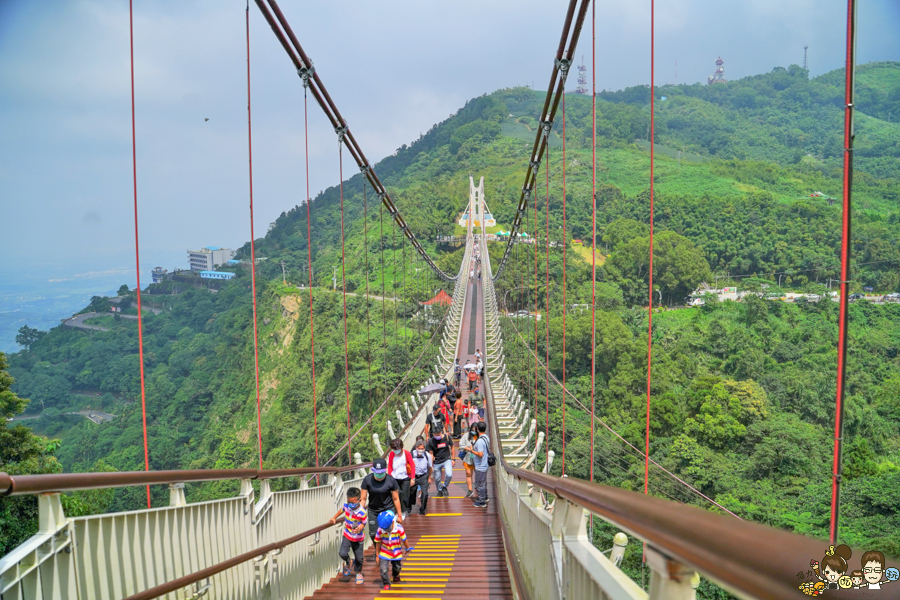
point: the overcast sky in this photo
(394, 68)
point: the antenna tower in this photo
(582, 78)
(719, 75)
(805, 63)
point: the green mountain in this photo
(742, 392)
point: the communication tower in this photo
(582, 78)
(719, 75)
(805, 64)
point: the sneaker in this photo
(479, 504)
(469, 494)
(359, 579)
(387, 586)
(396, 579)
(421, 512)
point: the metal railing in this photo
(113, 556)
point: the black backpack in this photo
(492, 460)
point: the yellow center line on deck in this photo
(419, 592)
(421, 585)
(423, 578)
(441, 537)
(444, 515)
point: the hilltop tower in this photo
(582, 78)
(719, 75)
(805, 64)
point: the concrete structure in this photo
(159, 274)
(216, 275)
(207, 259)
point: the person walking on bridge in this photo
(465, 444)
(354, 536)
(433, 420)
(390, 546)
(380, 493)
(400, 467)
(480, 451)
(424, 474)
(441, 448)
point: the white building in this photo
(159, 274)
(206, 259)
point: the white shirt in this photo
(399, 470)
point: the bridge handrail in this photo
(197, 576)
(20, 485)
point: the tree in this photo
(21, 452)
(99, 304)
(678, 266)
(123, 290)
(28, 336)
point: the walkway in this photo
(457, 548)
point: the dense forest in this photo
(742, 393)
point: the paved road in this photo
(94, 415)
(79, 320)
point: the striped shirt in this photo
(353, 518)
(391, 542)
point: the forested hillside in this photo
(745, 390)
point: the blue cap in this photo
(386, 519)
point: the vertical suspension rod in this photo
(253, 249)
(137, 252)
(849, 93)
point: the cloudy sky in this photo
(394, 67)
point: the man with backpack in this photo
(440, 446)
(480, 449)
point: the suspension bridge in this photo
(532, 542)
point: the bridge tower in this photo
(582, 78)
(719, 75)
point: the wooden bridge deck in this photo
(457, 548)
(457, 553)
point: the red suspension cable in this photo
(594, 222)
(547, 308)
(312, 333)
(253, 249)
(534, 240)
(368, 298)
(137, 252)
(344, 297)
(650, 309)
(849, 75)
(564, 281)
